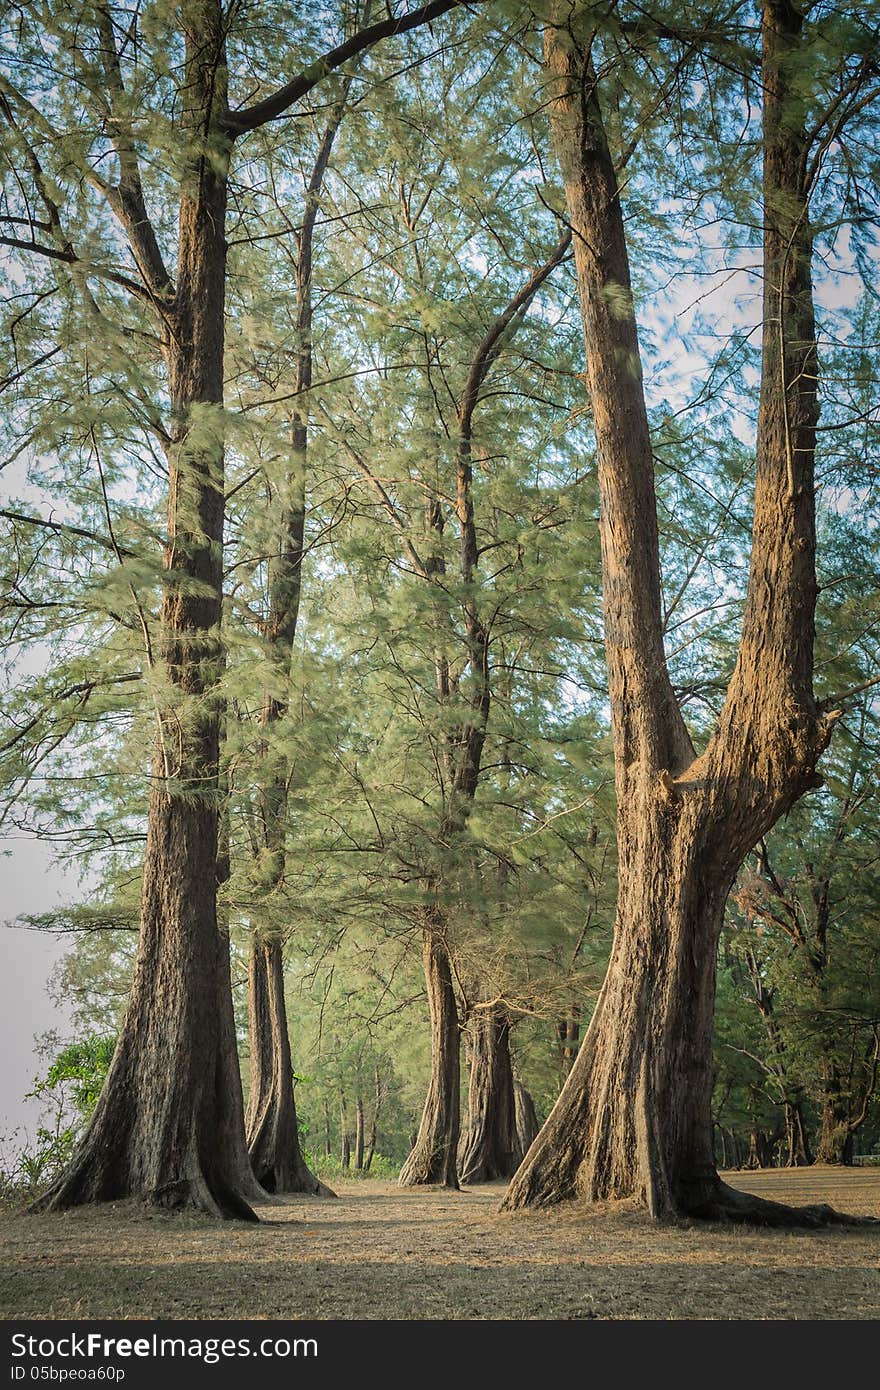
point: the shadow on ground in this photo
(382, 1251)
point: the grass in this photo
(380, 1251)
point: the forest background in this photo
(399, 278)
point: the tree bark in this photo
(359, 1134)
(272, 1130)
(634, 1117)
(168, 1127)
(835, 1143)
(432, 1158)
(344, 1138)
(490, 1146)
(568, 1032)
(526, 1120)
(374, 1118)
(271, 1123)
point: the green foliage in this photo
(68, 1090)
(80, 1069)
(328, 1168)
(414, 258)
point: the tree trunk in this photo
(490, 1147)
(797, 1143)
(759, 1150)
(433, 1156)
(272, 1129)
(168, 1127)
(344, 1141)
(634, 1117)
(568, 1032)
(359, 1134)
(526, 1119)
(835, 1143)
(271, 1123)
(725, 1160)
(374, 1119)
(328, 1147)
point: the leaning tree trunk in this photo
(634, 1116)
(797, 1142)
(168, 1127)
(526, 1120)
(432, 1158)
(490, 1147)
(271, 1123)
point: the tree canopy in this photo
(440, 555)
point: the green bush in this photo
(380, 1167)
(69, 1091)
(82, 1067)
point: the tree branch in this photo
(62, 528)
(487, 352)
(83, 689)
(69, 256)
(127, 199)
(394, 516)
(271, 107)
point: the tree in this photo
(271, 1121)
(169, 1123)
(424, 482)
(634, 1118)
(410, 748)
(490, 1146)
(758, 1098)
(806, 933)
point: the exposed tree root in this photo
(711, 1200)
(115, 1162)
(724, 1203)
(300, 1180)
(183, 1195)
(426, 1169)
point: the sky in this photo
(29, 882)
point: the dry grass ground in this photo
(384, 1252)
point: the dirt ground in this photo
(380, 1251)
